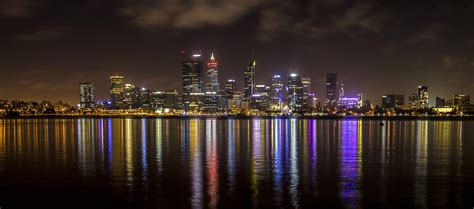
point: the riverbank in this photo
(331, 117)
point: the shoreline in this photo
(221, 117)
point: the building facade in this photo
(249, 80)
(116, 91)
(331, 89)
(87, 96)
(295, 93)
(192, 81)
(423, 97)
(212, 75)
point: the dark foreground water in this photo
(290, 163)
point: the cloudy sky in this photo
(47, 47)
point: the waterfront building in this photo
(460, 101)
(331, 89)
(164, 101)
(413, 101)
(130, 96)
(277, 94)
(440, 102)
(390, 101)
(230, 88)
(249, 80)
(116, 91)
(260, 98)
(212, 79)
(306, 82)
(210, 102)
(349, 102)
(192, 82)
(295, 93)
(87, 95)
(423, 97)
(145, 98)
(361, 100)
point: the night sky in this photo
(47, 47)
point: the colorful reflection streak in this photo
(235, 163)
(351, 162)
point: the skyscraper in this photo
(277, 94)
(295, 93)
(249, 80)
(460, 101)
(331, 89)
(212, 80)
(259, 100)
(116, 91)
(230, 88)
(413, 101)
(87, 97)
(306, 82)
(191, 79)
(423, 98)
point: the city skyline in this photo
(208, 74)
(374, 47)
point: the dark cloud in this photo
(320, 18)
(39, 35)
(187, 14)
(15, 8)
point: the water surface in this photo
(259, 163)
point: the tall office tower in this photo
(413, 101)
(331, 89)
(249, 80)
(306, 81)
(260, 98)
(116, 91)
(212, 80)
(130, 95)
(295, 93)
(277, 94)
(460, 101)
(423, 98)
(191, 79)
(230, 88)
(87, 97)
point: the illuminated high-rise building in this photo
(191, 80)
(277, 96)
(423, 97)
(413, 101)
(306, 82)
(230, 88)
(460, 101)
(295, 93)
(260, 98)
(87, 97)
(249, 80)
(331, 89)
(116, 91)
(212, 80)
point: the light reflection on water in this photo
(196, 163)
